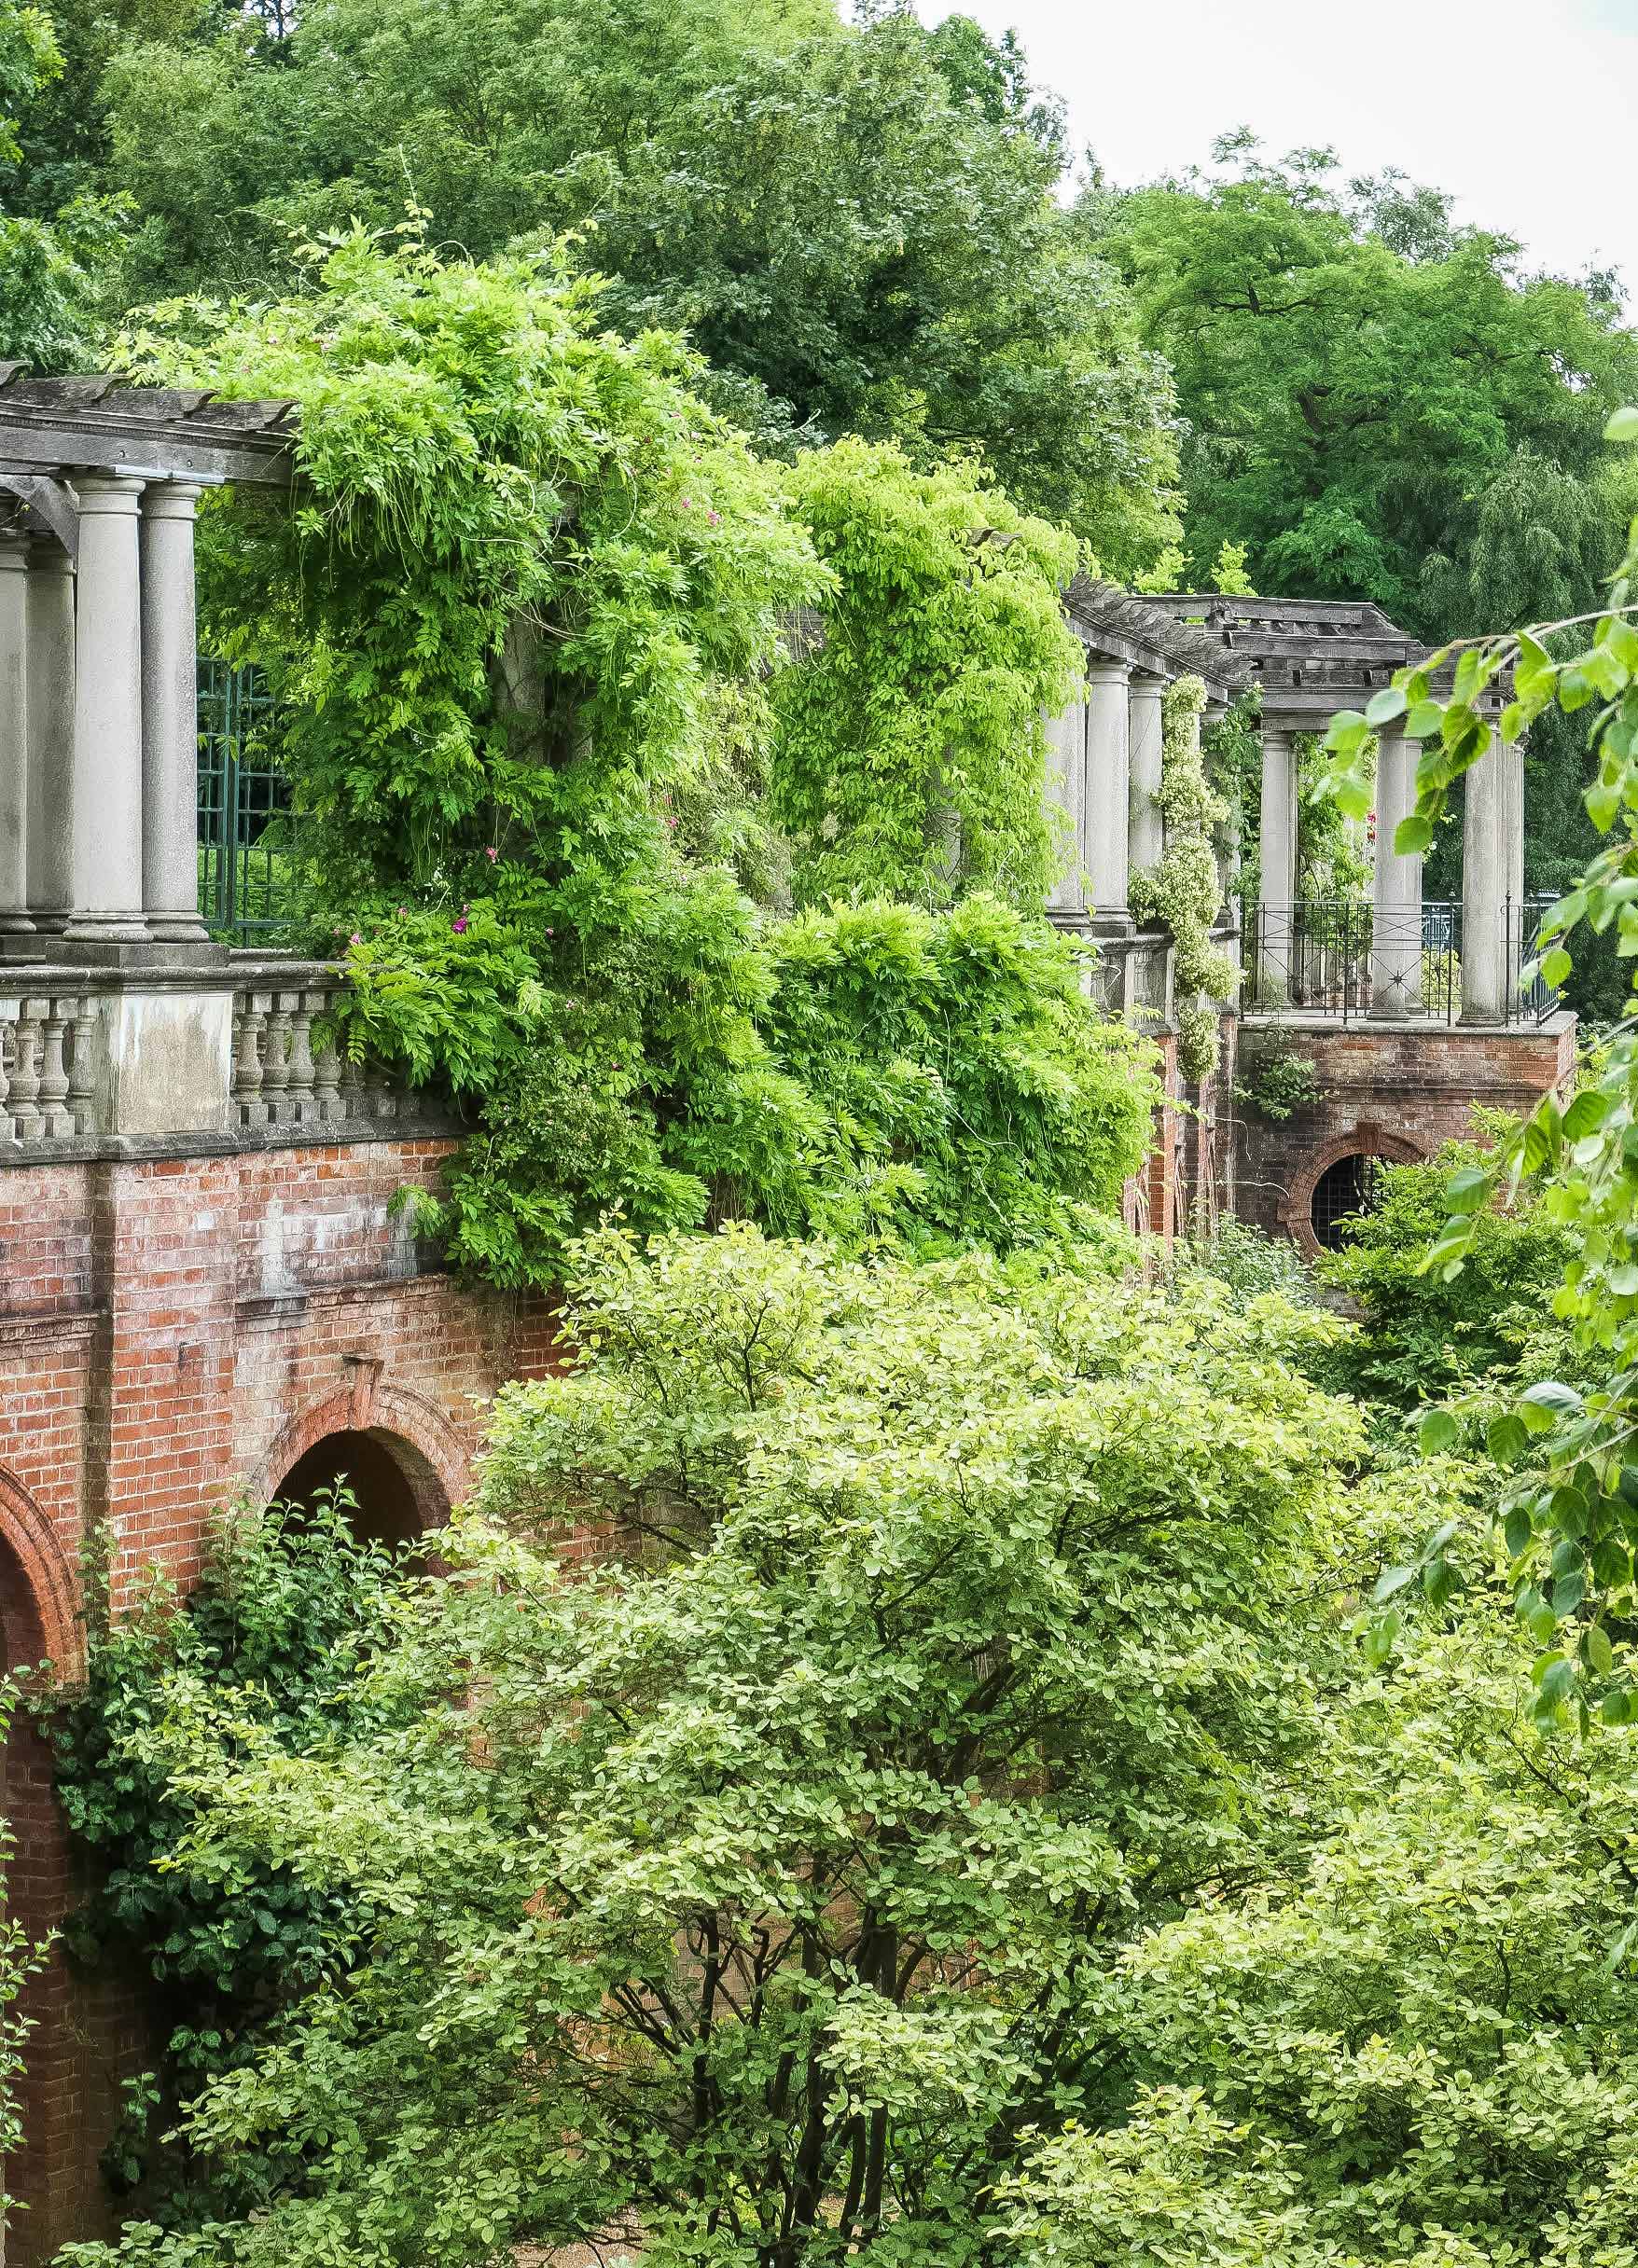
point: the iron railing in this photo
(1341, 956)
(246, 884)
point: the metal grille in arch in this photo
(247, 883)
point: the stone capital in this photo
(172, 499)
(1105, 673)
(114, 493)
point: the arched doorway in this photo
(396, 1494)
(398, 1455)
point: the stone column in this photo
(50, 735)
(1484, 889)
(1145, 744)
(1396, 959)
(170, 714)
(107, 714)
(1277, 861)
(14, 734)
(1066, 784)
(1108, 785)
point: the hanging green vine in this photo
(1185, 891)
(529, 622)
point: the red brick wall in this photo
(1396, 1091)
(173, 1330)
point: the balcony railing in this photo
(1343, 958)
(282, 1076)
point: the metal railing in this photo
(1345, 958)
(246, 825)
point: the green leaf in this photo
(1385, 705)
(1558, 1681)
(1506, 1439)
(1623, 425)
(1347, 732)
(1436, 1429)
(1555, 967)
(1519, 1528)
(1353, 795)
(1586, 1114)
(1466, 1190)
(1600, 1653)
(1413, 834)
(1390, 1583)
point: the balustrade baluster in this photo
(25, 1076)
(250, 1025)
(275, 1054)
(326, 1063)
(301, 1104)
(57, 1124)
(82, 1101)
(8, 1058)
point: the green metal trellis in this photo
(246, 823)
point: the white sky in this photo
(1527, 113)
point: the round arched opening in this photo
(1346, 1188)
(395, 1494)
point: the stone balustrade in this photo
(287, 1069)
(99, 1063)
(45, 1068)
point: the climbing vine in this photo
(1185, 891)
(533, 621)
(910, 747)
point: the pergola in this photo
(98, 731)
(1312, 658)
(1105, 754)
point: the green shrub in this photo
(269, 1642)
(1421, 1336)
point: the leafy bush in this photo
(763, 1888)
(1420, 2049)
(1249, 1261)
(267, 1647)
(1422, 1337)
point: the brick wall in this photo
(172, 1330)
(1389, 1090)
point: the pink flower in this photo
(403, 910)
(491, 853)
(459, 925)
(356, 938)
(713, 517)
(688, 504)
(670, 823)
(550, 933)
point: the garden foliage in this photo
(288, 1609)
(522, 623)
(1569, 1502)
(765, 1886)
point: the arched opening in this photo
(397, 1496)
(1346, 1188)
(53, 2173)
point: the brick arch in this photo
(421, 1441)
(1366, 1139)
(45, 1620)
